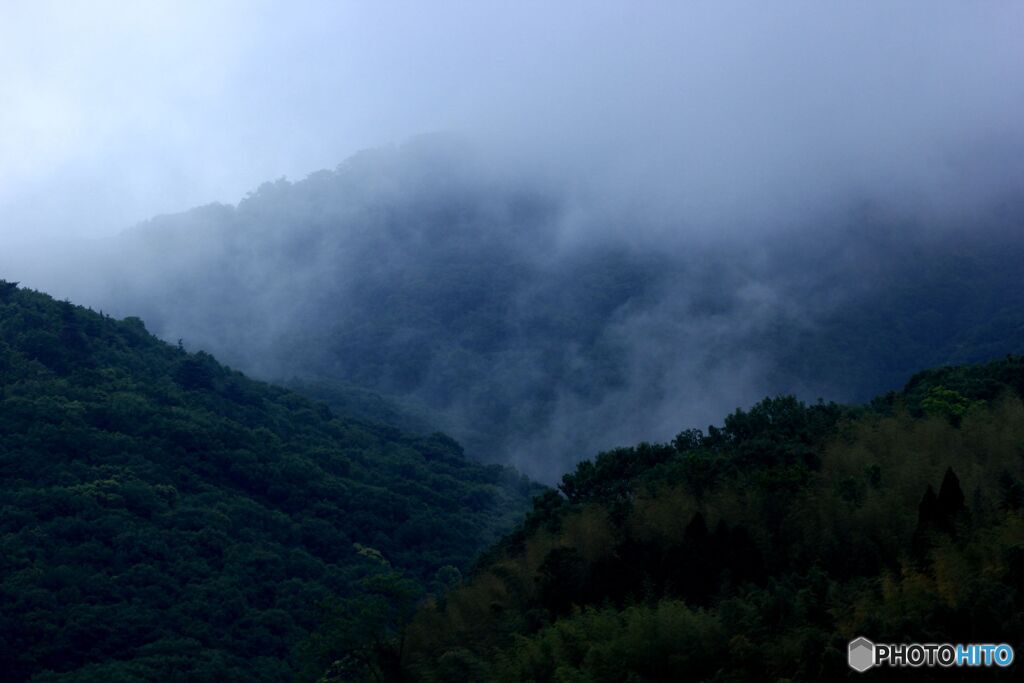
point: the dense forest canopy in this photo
(163, 517)
(537, 329)
(758, 550)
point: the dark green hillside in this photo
(163, 517)
(757, 551)
(349, 400)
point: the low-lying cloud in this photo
(640, 217)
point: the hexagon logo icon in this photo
(861, 655)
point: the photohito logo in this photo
(863, 654)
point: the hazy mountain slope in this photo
(757, 551)
(537, 327)
(166, 518)
(358, 403)
(912, 304)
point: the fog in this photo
(720, 188)
(727, 112)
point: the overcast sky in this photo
(111, 112)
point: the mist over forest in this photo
(621, 227)
(561, 236)
(492, 305)
(490, 341)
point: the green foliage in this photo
(367, 406)
(778, 431)
(359, 638)
(757, 551)
(954, 390)
(163, 517)
(667, 641)
(946, 402)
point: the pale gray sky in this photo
(112, 111)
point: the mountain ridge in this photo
(167, 518)
(528, 321)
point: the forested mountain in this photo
(162, 517)
(537, 327)
(758, 550)
(490, 341)
(165, 517)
